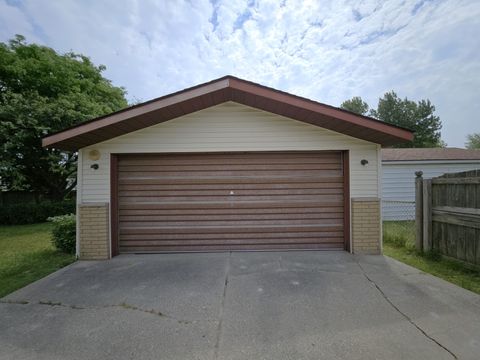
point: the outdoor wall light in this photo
(364, 162)
(94, 155)
(94, 166)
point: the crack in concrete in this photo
(136, 308)
(222, 307)
(408, 318)
(17, 302)
(123, 305)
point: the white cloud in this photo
(324, 50)
(13, 21)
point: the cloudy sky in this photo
(325, 50)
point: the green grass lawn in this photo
(398, 243)
(26, 255)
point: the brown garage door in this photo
(235, 201)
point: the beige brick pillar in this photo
(94, 231)
(366, 226)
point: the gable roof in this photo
(218, 91)
(425, 154)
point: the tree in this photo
(356, 105)
(473, 141)
(416, 116)
(41, 92)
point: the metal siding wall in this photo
(398, 183)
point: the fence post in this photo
(427, 214)
(419, 211)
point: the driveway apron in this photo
(241, 305)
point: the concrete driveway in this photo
(270, 305)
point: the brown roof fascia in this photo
(232, 88)
(135, 111)
(323, 109)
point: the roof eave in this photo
(218, 91)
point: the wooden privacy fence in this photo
(447, 215)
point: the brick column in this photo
(94, 231)
(366, 225)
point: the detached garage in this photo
(228, 165)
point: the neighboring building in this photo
(228, 165)
(399, 167)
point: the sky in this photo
(328, 51)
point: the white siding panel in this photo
(398, 184)
(231, 127)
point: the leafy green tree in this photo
(356, 105)
(473, 141)
(41, 92)
(417, 116)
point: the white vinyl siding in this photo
(230, 127)
(398, 183)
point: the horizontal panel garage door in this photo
(235, 201)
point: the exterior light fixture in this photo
(94, 166)
(364, 162)
(94, 154)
